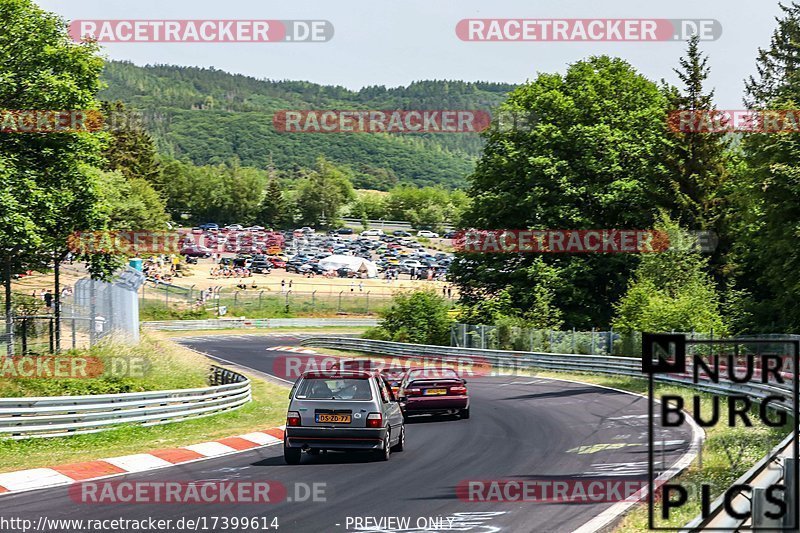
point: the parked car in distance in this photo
(450, 235)
(401, 233)
(196, 250)
(345, 231)
(209, 226)
(372, 233)
(433, 391)
(261, 266)
(346, 272)
(277, 262)
(427, 234)
(342, 410)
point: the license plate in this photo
(333, 419)
(435, 392)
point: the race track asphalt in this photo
(522, 427)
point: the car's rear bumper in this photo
(335, 438)
(435, 404)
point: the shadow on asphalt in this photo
(562, 393)
(329, 458)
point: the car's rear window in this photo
(433, 373)
(334, 389)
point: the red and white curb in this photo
(39, 478)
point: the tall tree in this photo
(698, 163)
(768, 236)
(323, 193)
(46, 191)
(593, 154)
(274, 210)
(130, 148)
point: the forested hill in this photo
(210, 116)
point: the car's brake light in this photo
(293, 418)
(458, 390)
(413, 392)
(374, 420)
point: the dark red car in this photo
(277, 262)
(433, 391)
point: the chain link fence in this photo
(593, 342)
(93, 311)
(158, 300)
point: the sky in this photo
(381, 42)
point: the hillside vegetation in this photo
(210, 117)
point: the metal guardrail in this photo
(761, 475)
(244, 323)
(59, 416)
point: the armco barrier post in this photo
(760, 506)
(792, 517)
(24, 336)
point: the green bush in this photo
(419, 317)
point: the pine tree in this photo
(697, 161)
(274, 210)
(131, 150)
(772, 189)
(779, 65)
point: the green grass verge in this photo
(153, 364)
(273, 306)
(182, 366)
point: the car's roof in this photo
(334, 374)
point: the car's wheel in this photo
(464, 413)
(384, 453)
(291, 455)
(401, 443)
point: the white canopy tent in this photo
(365, 267)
